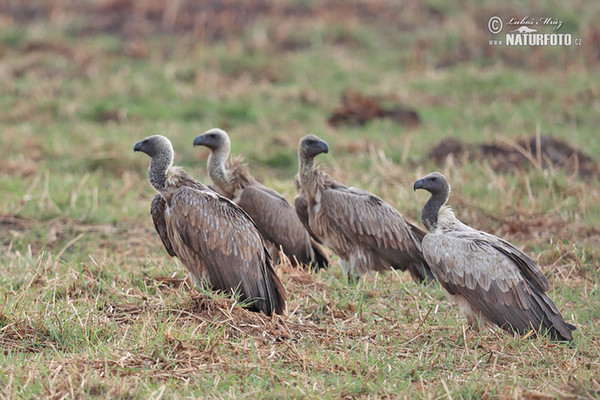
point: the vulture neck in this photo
(166, 178)
(308, 176)
(431, 211)
(217, 171)
(159, 169)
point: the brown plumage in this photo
(362, 229)
(213, 237)
(492, 281)
(274, 216)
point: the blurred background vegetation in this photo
(381, 81)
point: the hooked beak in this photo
(137, 146)
(323, 147)
(420, 184)
(199, 140)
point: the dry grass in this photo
(388, 334)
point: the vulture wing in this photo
(157, 210)
(418, 232)
(321, 260)
(272, 214)
(368, 221)
(276, 219)
(494, 278)
(301, 207)
(526, 265)
(217, 239)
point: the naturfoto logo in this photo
(525, 31)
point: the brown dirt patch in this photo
(357, 109)
(541, 152)
(16, 223)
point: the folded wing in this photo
(217, 241)
(497, 279)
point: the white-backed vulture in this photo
(363, 230)
(492, 281)
(213, 237)
(273, 215)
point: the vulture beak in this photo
(199, 140)
(420, 184)
(316, 147)
(321, 147)
(137, 146)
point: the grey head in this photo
(434, 183)
(214, 139)
(155, 146)
(159, 148)
(310, 146)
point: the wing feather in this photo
(370, 220)
(276, 219)
(349, 219)
(526, 265)
(157, 210)
(301, 206)
(493, 281)
(217, 239)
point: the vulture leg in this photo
(353, 279)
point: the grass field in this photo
(91, 306)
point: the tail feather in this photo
(550, 319)
(420, 271)
(320, 260)
(273, 299)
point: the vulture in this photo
(274, 217)
(362, 229)
(213, 237)
(490, 280)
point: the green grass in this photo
(91, 306)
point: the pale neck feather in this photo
(447, 221)
(217, 169)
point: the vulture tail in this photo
(421, 272)
(320, 260)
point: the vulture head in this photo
(311, 146)
(154, 146)
(434, 183)
(214, 139)
(160, 149)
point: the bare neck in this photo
(431, 210)
(307, 175)
(157, 172)
(217, 170)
